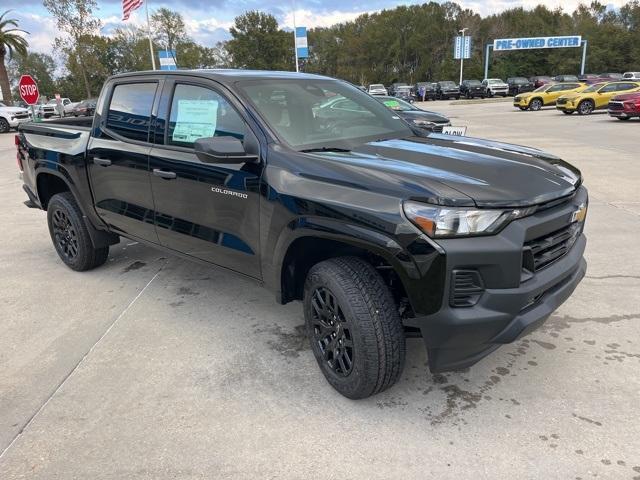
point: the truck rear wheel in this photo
(353, 325)
(70, 234)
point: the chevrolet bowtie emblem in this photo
(580, 214)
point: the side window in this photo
(557, 88)
(609, 88)
(199, 112)
(626, 86)
(130, 110)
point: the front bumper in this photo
(521, 102)
(14, 123)
(514, 301)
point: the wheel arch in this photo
(50, 183)
(305, 251)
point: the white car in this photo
(11, 117)
(631, 76)
(50, 109)
(495, 86)
(377, 89)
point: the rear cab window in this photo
(129, 111)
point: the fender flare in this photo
(100, 238)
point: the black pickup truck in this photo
(314, 189)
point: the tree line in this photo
(406, 43)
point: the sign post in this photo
(167, 59)
(462, 49)
(302, 46)
(29, 92)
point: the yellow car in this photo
(595, 97)
(546, 95)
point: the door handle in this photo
(164, 174)
(103, 162)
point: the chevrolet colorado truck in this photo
(382, 230)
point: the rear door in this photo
(206, 210)
(118, 157)
(605, 94)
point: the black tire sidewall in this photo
(88, 256)
(4, 125)
(353, 385)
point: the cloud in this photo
(311, 19)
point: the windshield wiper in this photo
(324, 149)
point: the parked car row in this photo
(621, 98)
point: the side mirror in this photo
(222, 150)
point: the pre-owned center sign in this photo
(537, 42)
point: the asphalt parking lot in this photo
(153, 367)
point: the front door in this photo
(118, 160)
(206, 210)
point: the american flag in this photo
(129, 6)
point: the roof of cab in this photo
(230, 75)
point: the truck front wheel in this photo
(353, 325)
(70, 234)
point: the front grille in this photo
(21, 115)
(561, 101)
(616, 106)
(466, 288)
(543, 251)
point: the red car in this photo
(625, 106)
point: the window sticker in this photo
(391, 103)
(196, 119)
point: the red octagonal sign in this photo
(28, 89)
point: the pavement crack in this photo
(604, 277)
(73, 370)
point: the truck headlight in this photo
(439, 222)
(423, 123)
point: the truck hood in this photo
(461, 171)
(13, 110)
(627, 96)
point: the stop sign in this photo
(28, 89)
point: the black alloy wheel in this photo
(65, 235)
(332, 332)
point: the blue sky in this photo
(208, 21)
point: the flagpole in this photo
(153, 58)
(295, 44)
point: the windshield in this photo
(593, 88)
(321, 113)
(519, 80)
(396, 104)
(403, 89)
(473, 83)
(543, 88)
(447, 84)
(52, 101)
(494, 81)
(376, 86)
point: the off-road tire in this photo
(4, 125)
(371, 317)
(70, 235)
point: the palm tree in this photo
(10, 43)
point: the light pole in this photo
(462, 52)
